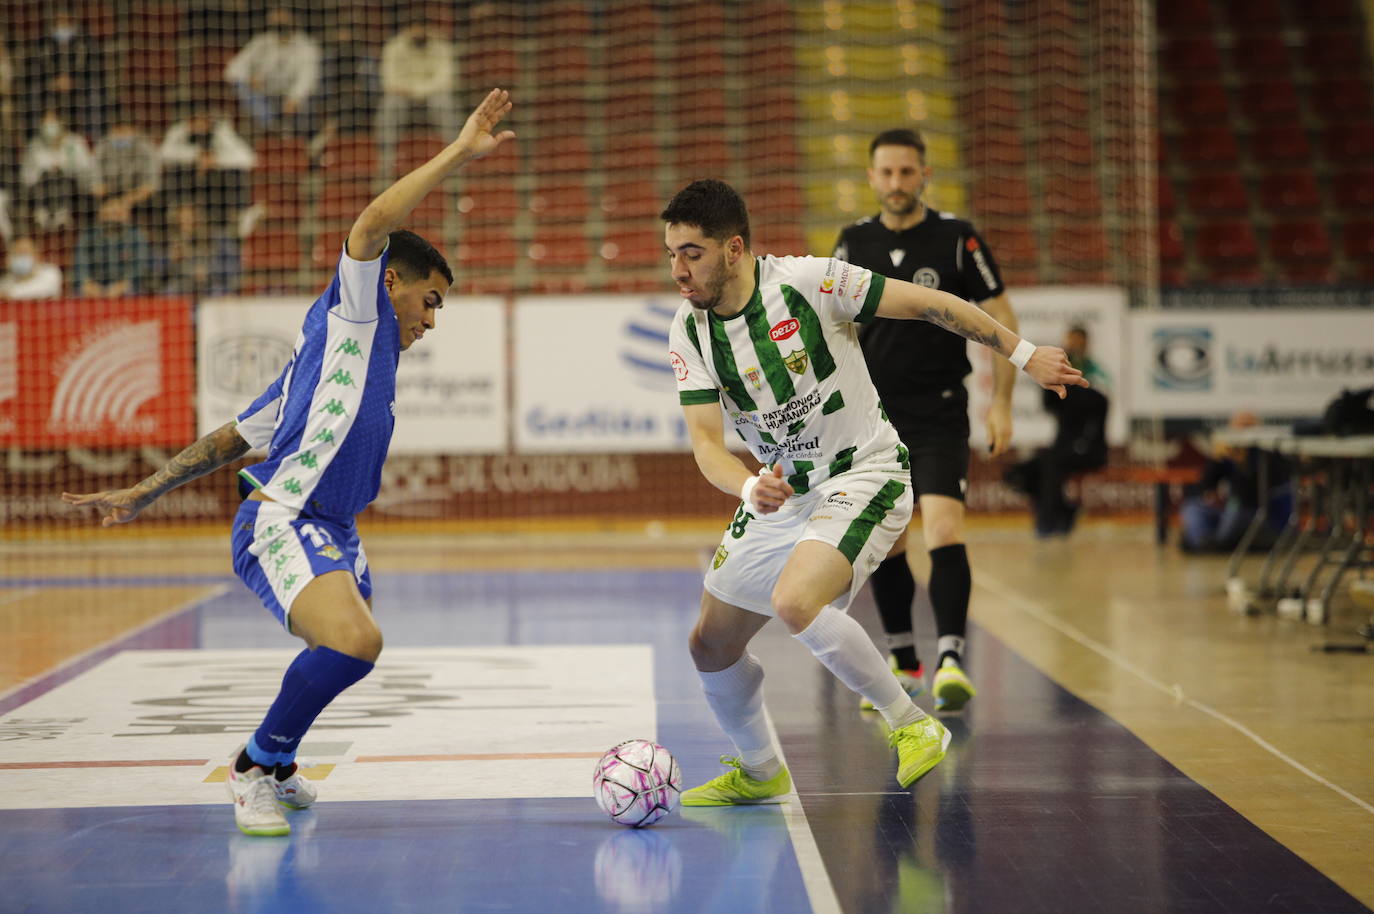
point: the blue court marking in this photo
(452, 855)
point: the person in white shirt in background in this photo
(205, 163)
(417, 70)
(56, 175)
(276, 75)
(26, 275)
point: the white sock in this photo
(846, 650)
(735, 694)
(950, 644)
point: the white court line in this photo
(17, 595)
(122, 636)
(815, 878)
(1036, 611)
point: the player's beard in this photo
(713, 289)
(901, 204)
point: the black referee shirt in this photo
(907, 358)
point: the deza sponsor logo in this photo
(784, 329)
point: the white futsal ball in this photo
(637, 783)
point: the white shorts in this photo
(861, 513)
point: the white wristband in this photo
(1022, 354)
(747, 488)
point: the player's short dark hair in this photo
(412, 257)
(712, 206)
(900, 136)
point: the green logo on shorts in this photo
(742, 519)
(721, 556)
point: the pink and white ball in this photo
(637, 783)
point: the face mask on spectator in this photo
(21, 264)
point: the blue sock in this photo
(312, 681)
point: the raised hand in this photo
(476, 136)
(1050, 368)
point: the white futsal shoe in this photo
(295, 792)
(255, 802)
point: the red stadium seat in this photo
(701, 108)
(1229, 252)
(1358, 245)
(632, 64)
(1071, 195)
(563, 155)
(493, 250)
(560, 246)
(1170, 242)
(629, 106)
(1002, 196)
(1301, 251)
(273, 250)
(1221, 192)
(1013, 245)
(281, 155)
(775, 199)
(781, 239)
(702, 156)
(1174, 16)
(1347, 144)
(1353, 191)
(1285, 191)
(1066, 145)
(631, 153)
(1329, 12)
(488, 201)
(1343, 98)
(633, 245)
(1164, 196)
(560, 201)
(1209, 146)
(561, 63)
(1280, 144)
(1201, 102)
(1263, 55)
(1334, 53)
(344, 197)
(635, 198)
(1190, 56)
(1271, 101)
(697, 64)
(351, 154)
(994, 149)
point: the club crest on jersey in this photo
(679, 366)
(720, 557)
(331, 552)
(783, 329)
(754, 377)
(827, 285)
(796, 361)
(927, 277)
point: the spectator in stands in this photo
(206, 163)
(349, 81)
(9, 143)
(65, 70)
(113, 257)
(417, 71)
(276, 75)
(1216, 512)
(127, 168)
(26, 275)
(1079, 446)
(56, 175)
(202, 258)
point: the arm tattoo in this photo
(206, 455)
(947, 319)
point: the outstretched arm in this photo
(119, 506)
(1046, 364)
(368, 236)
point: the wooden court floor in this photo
(1241, 705)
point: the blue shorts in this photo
(278, 551)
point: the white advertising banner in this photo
(1279, 363)
(592, 375)
(1045, 313)
(450, 386)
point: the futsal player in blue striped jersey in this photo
(325, 425)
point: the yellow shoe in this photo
(920, 747)
(913, 681)
(952, 687)
(735, 788)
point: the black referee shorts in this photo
(934, 428)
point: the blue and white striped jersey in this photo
(326, 422)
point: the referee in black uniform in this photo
(919, 371)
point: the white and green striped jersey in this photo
(788, 370)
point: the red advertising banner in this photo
(97, 373)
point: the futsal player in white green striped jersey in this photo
(769, 346)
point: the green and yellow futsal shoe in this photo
(952, 687)
(920, 747)
(735, 788)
